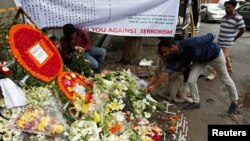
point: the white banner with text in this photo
(114, 17)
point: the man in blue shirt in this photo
(199, 51)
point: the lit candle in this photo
(65, 106)
(183, 138)
(186, 132)
(177, 125)
(180, 136)
(181, 120)
(172, 113)
(168, 104)
(184, 124)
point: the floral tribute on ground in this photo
(120, 111)
(35, 52)
(94, 107)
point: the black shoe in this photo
(98, 70)
(233, 109)
(192, 106)
(201, 76)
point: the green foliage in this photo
(79, 65)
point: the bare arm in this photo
(242, 30)
(87, 44)
(150, 83)
(162, 77)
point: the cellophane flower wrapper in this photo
(42, 120)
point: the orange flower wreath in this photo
(67, 82)
(35, 52)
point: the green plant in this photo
(79, 64)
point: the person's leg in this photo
(219, 65)
(98, 53)
(226, 51)
(93, 62)
(175, 83)
(195, 71)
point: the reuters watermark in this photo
(219, 132)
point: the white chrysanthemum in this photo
(138, 111)
(107, 82)
(147, 115)
(119, 116)
(154, 107)
(116, 92)
(76, 137)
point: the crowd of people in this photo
(180, 63)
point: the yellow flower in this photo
(58, 128)
(147, 139)
(40, 127)
(97, 117)
(68, 77)
(85, 108)
(107, 110)
(69, 89)
(115, 105)
(44, 122)
(20, 123)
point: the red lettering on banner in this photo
(85, 28)
(122, 30)
(156, 31)
(98, 29)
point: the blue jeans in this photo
(95, 55)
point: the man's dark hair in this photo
(44, 31)
(165, 42)
(231, 2)
(68, 29)
(52, 38)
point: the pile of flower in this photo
(37, 95)
(120, 110)
(111, 106)
(7, 133)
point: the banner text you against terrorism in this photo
(130, 30)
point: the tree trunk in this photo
(132, 51)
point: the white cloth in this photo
(145, 62)
(12, 93)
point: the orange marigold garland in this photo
(67, 81)
(27, 44)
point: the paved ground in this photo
(213, 94)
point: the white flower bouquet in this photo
(84, 130)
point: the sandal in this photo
(229, 69)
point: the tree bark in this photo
(132, 51)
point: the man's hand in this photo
(150, 89)
(146, 90)
(87, 61)
(80, 48)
